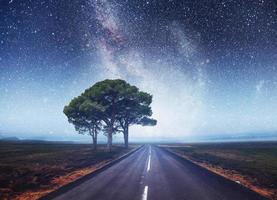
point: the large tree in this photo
(106, 96)
(112, 104)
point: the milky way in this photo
(210, 65)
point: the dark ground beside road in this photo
(254, 164)
(29, 169)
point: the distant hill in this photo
(9, 139)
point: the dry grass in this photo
(29, 170)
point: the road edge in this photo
(82, 179)
(180, 157)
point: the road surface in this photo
(154, 174)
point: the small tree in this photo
(135, 109)
(84, 122)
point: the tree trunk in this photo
(126, 137)
(94, 138)
(110, 140)
(94, 142)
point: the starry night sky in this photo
(210, 65)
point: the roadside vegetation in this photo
(29, 170)
(253, 164)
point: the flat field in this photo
(30, 169)
(253, 164)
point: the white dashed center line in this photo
(145, 193)
(149, 164)
(149, 160)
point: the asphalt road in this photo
(154, 174)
